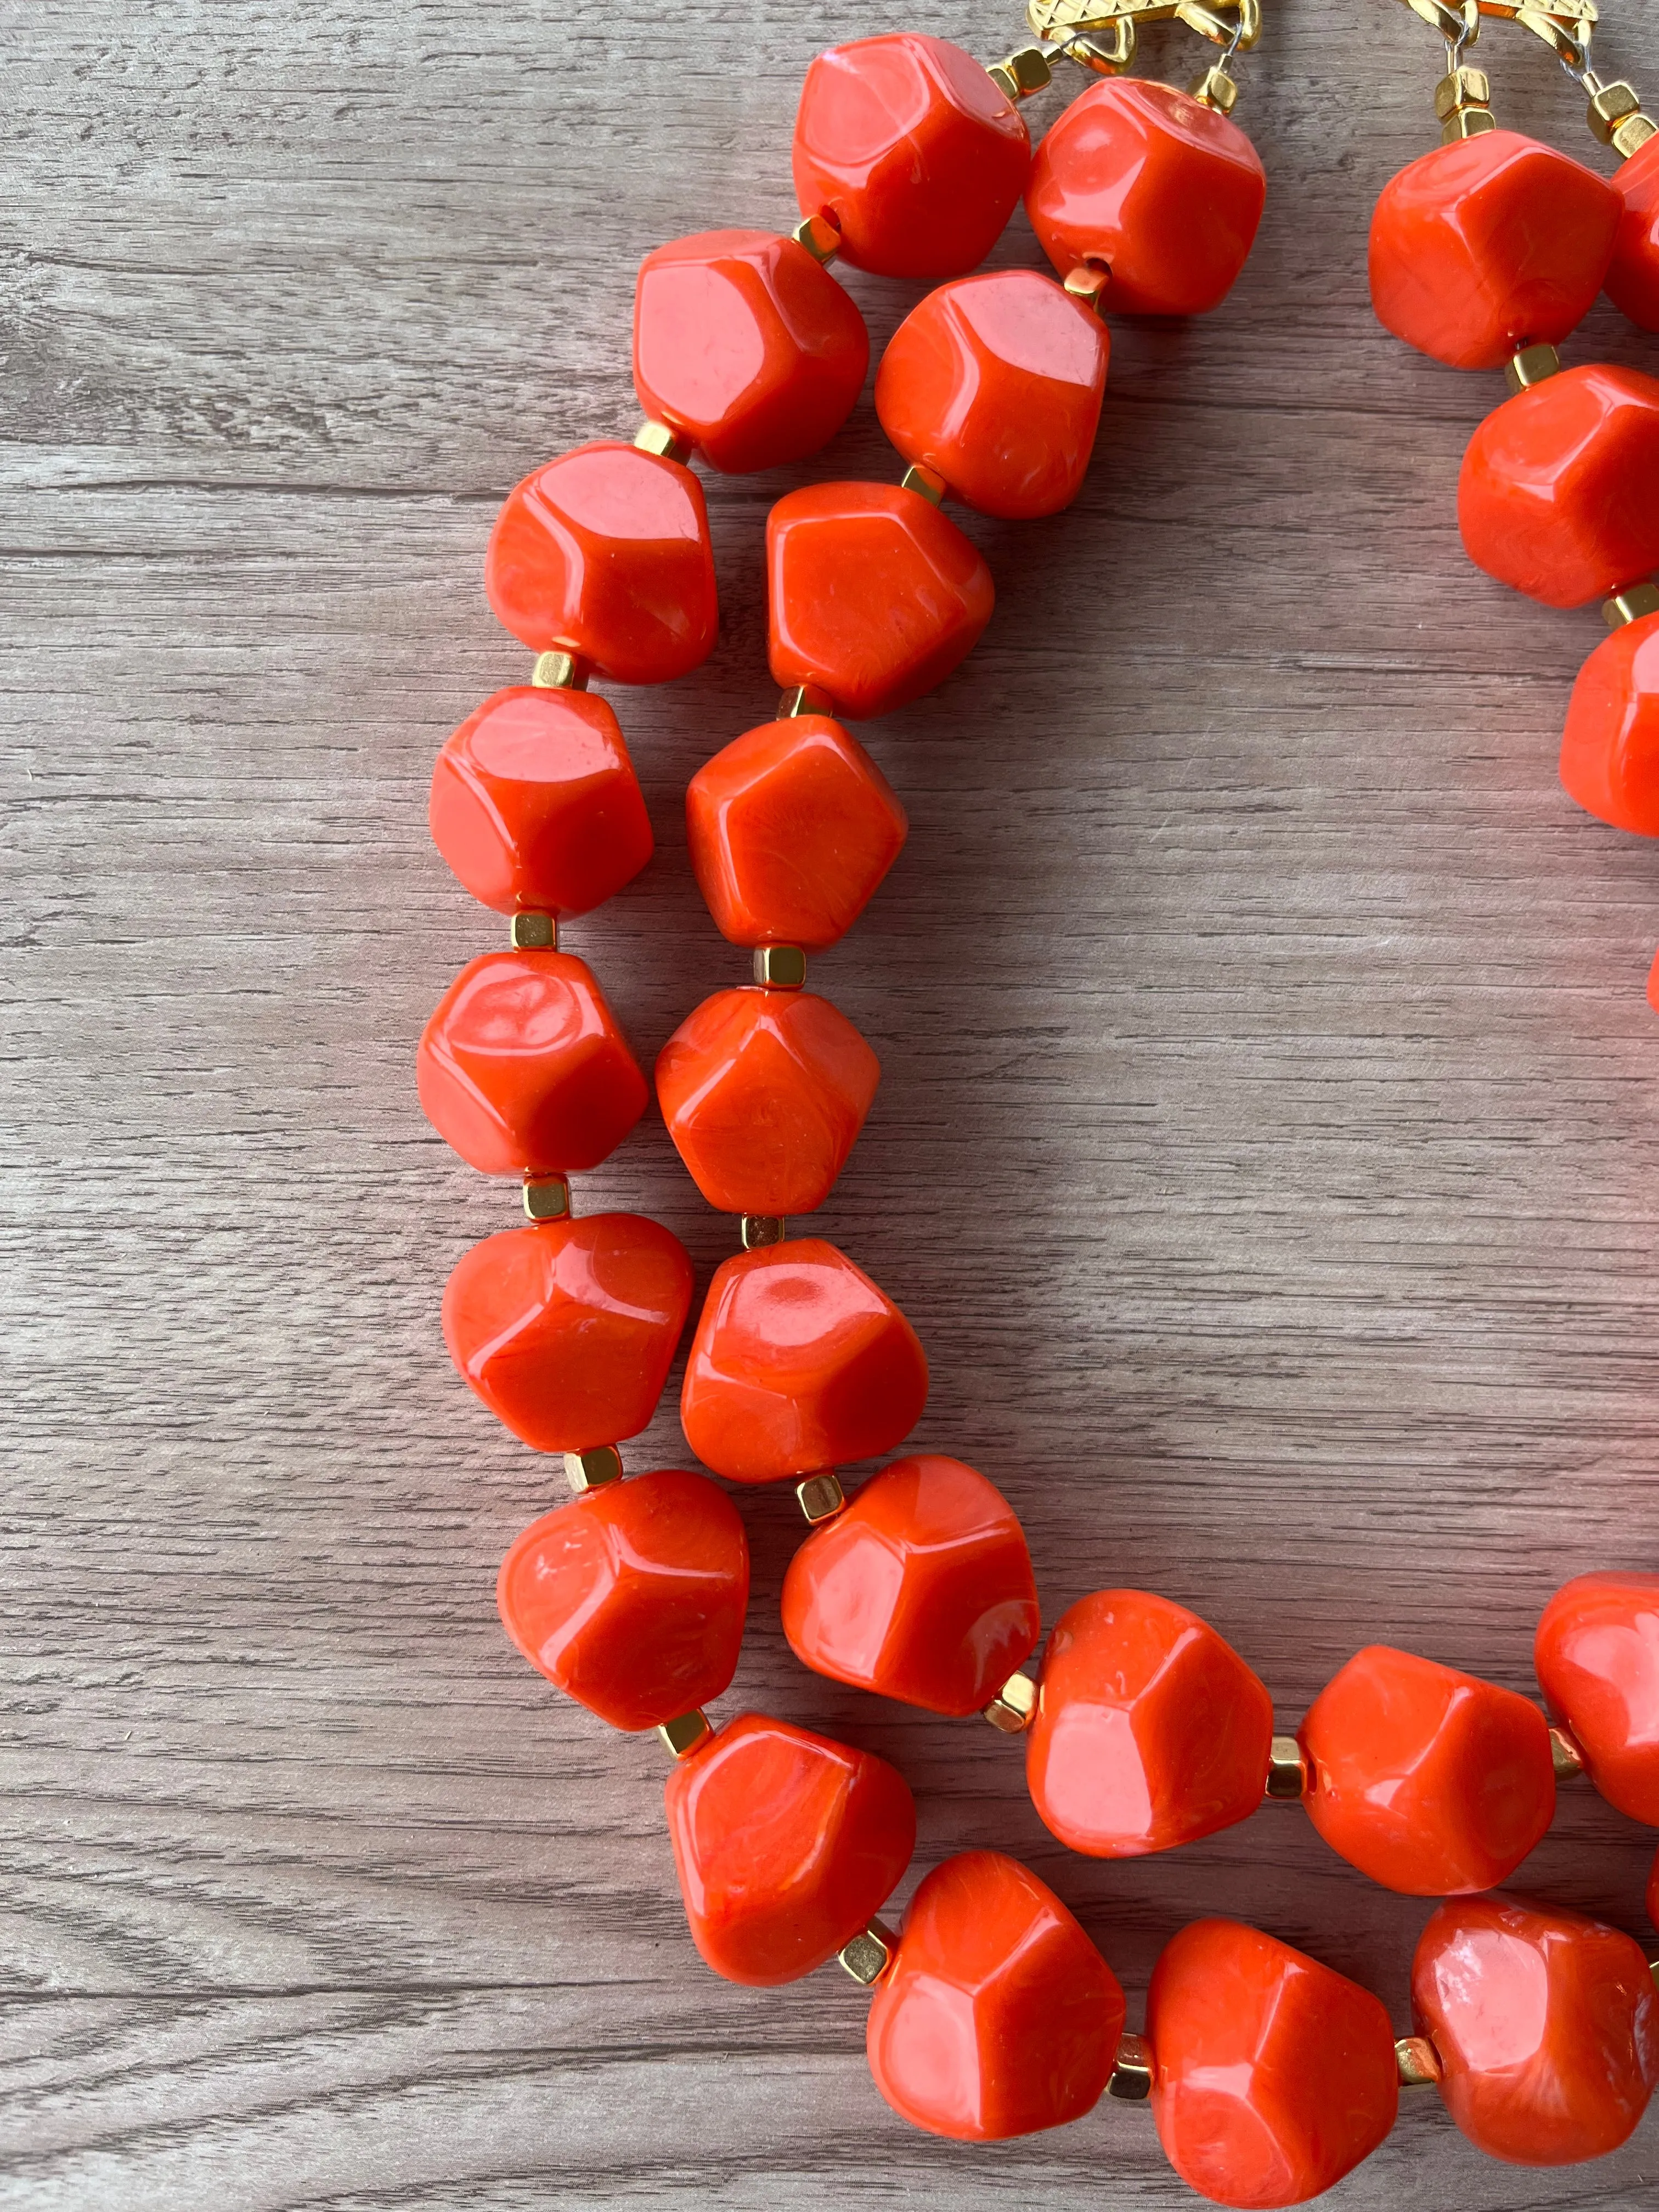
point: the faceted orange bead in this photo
(995, 384)
(875, 595)
(764, 1093)
(921, 1591)
(1610, 748)
(1633, 277)
(786, 1844)
(791, 829)
(798, 1363)
(1162, 190)
(1546, 2025)
(1598, 1656)
(1272, 2076)
(631, 1597)
(997, 2016)
(605, 553)
(566, 1330)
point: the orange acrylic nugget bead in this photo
(785, 1844)
(1598, 1656)
(791, 829)
(1149, 1729)
(1634, 276)
(798, 1363)
(631, 1597)
(997, 2016)
(1546, 2025)
(1489, 245)
(875, 596)
(764, 1093)
(523, 1069)
(605, 553)
(995, 384)
(1272, 2076)
(911, 152)
(1427, 1780)
(921, 1591)
(1610, 748)
(1163, 191)
(1559, 491)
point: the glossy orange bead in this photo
(997, 2016)
(918, 159)
(875, 596)
(1489, 245)
(1164, 191)
(798, 1363)
(1274, 2075)
(522, 1068)
(566, 1330)
(535, 804)
(631, 1597)
(921, 1591)
(1546, 2025)
(605, 553)
(791, 829)
(1633, 274)
(764, 1093)
(1429, 1781)
(995, 384)
(1597, 1656)
(1559, 491)
(1149, 1729)
(1610, 748)
(747, 346)
(785, 1844)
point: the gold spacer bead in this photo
(819, 236)
(1014, 1706)
(780, 967)
(1633, 133)
(1614, 104)
(1022, 73)
(928, 482)
(1631, 606)
(534, 932)
(683, 1735)
(1088, 283)
(1287, 1771)
(667, 444)
(757, 1230)
(591, 1470)
(1418, 2061)
(820, 1497)
(1463, 88)
(1653, 1968)
(558, 670)
(1566, 1754)
(1468, 123)
(1131, 2082)
(1214, 87)
(1533, 364)
(804, 700)
(868, 1956)
(547, 1198)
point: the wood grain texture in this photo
(1265, 1148)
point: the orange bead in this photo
(911, 152)
(631, 1597)
(1598, 1656)
(566, 1330)
(785, 1844)
(1546, 2025)
(875, 596)
(995, 384)
(798, 1363)
(1272, 2076)
(921, 1591)
(1149, 1730)
(605, 553)
(1610, 748)
(535, 804)
(791, 829)
(997, 2016)
(1489, 245)
(523, 1069)
(1162, 190)
(764, 1093)
(1559, 491)
(1633, 277)
(1426, 1779)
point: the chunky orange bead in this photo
(1162, 190)
(921, 1591)
(1546, 2025)
(1610, 748)
(1633, 276)
(997, 2016)
(995, 384)
(1598, 1656)
(764, 1093)
(875, 596)
(605, 553)
(911, 152)
(791, 829)
(631, 1597)
(1489, 245)
(1149, 1729)
(523, 1069)
(566, 1330)
(1427, 1780)
(798, 1363)
(1272, 2076)
(1559, 491)
(746, 345)
(785, 1844)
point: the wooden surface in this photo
(1264, 1150)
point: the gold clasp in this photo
(1100, 34)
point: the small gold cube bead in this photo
(780, 967)
(1566, 1754)
(1532, 365)
(558, 671)
(1214, 87)
(1631, 606)
(657, 438)
(1418, 2061)
(1014, 1705)
(804, 700)
(1131, 2082)
(686, 1734)
(1287, 1770)
(1610, 106)
(547, 1198)
(868, 1956)
(1022, 73)
(1463, 88)
(532, 933)
(1632, 134)
(928, 482)
(757, 1229)
(1089, 282)
(591, 1470)
(820, 1497)
(1468, 123)
(819, 236)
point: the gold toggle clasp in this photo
(1100, 34)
